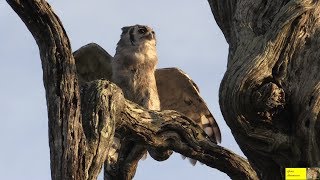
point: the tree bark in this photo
(66, 139)
(77, 150)
(270, 94)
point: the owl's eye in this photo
(142, 30)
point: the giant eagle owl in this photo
(133, 69)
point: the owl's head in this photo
(137, 35)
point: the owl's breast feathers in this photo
(133, 71)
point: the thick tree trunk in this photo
(270, 94)
(74, 153)
(62, 92)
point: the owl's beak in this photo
(149, 35)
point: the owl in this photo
(133, 69)
(134, 66)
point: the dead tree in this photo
(269, 95)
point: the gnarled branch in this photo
(66, 140)
(170, 130)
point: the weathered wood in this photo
(66, 139)
(167, 130)
(269, 95)
(102, 103)
(73, 155)
(170, 130)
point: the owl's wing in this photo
(92, 63)
(178, 92)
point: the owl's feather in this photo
(178, 92)
(92, 63)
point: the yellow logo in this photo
(296, 173)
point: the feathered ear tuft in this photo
(125, 29)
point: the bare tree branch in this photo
(62, 93)
(101, 103)
(170, 130)
(73, 156)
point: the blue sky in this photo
(188, 38)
